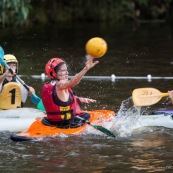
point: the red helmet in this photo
(50, 67)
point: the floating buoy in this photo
(149, 77)
(113, 77)
(43, 76)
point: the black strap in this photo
(72, 119)
(6, 81)
(60, 112)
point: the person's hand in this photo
(9, 74)
(90, 63)
(170, 94)
(86, 100)
(31, 90)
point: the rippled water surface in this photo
(130, 53)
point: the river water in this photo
(134, 54)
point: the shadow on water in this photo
(146, 51)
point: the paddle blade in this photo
(35, 99)
(104, 130)
(40, 106)
(2, 57)
(1, 53)
(147, 96)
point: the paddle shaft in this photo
(165, 94)
(100, 128)
(84, 120)
(155, 95)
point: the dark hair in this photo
(56, 69)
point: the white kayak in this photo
(127, 124)
(157, 120)
(18, 119)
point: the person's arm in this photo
(7, 75)
(77, 78)
(85, 100)
(171, 95)
(2, 77)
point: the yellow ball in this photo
(96, 47)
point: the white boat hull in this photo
(127, 125)
(157, 120)
(18, 119)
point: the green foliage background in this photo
(28, 12)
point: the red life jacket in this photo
(57, 112)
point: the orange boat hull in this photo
(38, 130)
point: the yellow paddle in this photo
(147, 96)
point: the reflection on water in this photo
(150, 158)
(146, 51)
(89, 152)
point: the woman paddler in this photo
(60, 102)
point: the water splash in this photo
(131, 119)
(127, 119)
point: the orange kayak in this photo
(38, 130)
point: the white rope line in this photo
(113, 77)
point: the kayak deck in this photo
(22, 113)
(38, 130)
(18, 119)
